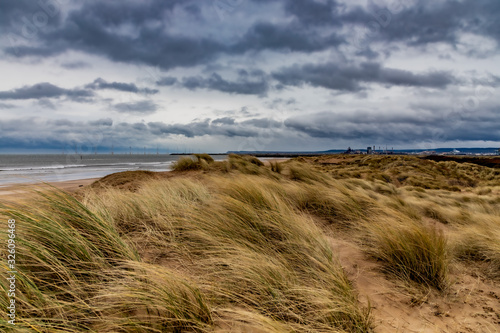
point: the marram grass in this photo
(238, 246)
(179, 255)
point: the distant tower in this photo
(369, 150)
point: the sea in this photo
(16, 169)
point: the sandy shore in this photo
(22, 191)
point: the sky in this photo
(219, 75)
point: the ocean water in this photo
(15, 169)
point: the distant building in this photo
(498, 151)
(369, 150)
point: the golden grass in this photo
(239, 242)
(237, 245)
(410, 251)
(480, 241)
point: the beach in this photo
(20, 192)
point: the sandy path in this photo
(470, 305)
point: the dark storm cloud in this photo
(64, 132)
(310, 33)
(398, 128)
(24, 16)
(44, 90)
(99, 83)
(350, 77)
(33, 133)
(140, 107)
(267, 36)
(216, 82)
(368, 126)
(312, 12)
(202, 128)
(93, 25)
(428, 22)
(94, 28)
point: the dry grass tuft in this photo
(410, 251)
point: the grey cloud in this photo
(202, 128)
(280, 102)
(34, 133)
(47, 104)
(167, 81)
(140, 107)
(429, 22)
(313, 12)
(75, 65)
(44, 90)
(263, 123)
(6, 106)
(102, 122)
(243, 86)
(268, 36)
(92, 29)
(156, 46)
(349, 77)
(25, 17)
(225, 120)
(99, 83)
(393, 129)
(362, 126)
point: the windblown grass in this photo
(410, 251)
(112, 261)
(408, 171)
(188, 164)
(480, 242)
(240, 246)
(71, 265)
(276, 166)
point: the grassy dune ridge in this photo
(240, 246)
